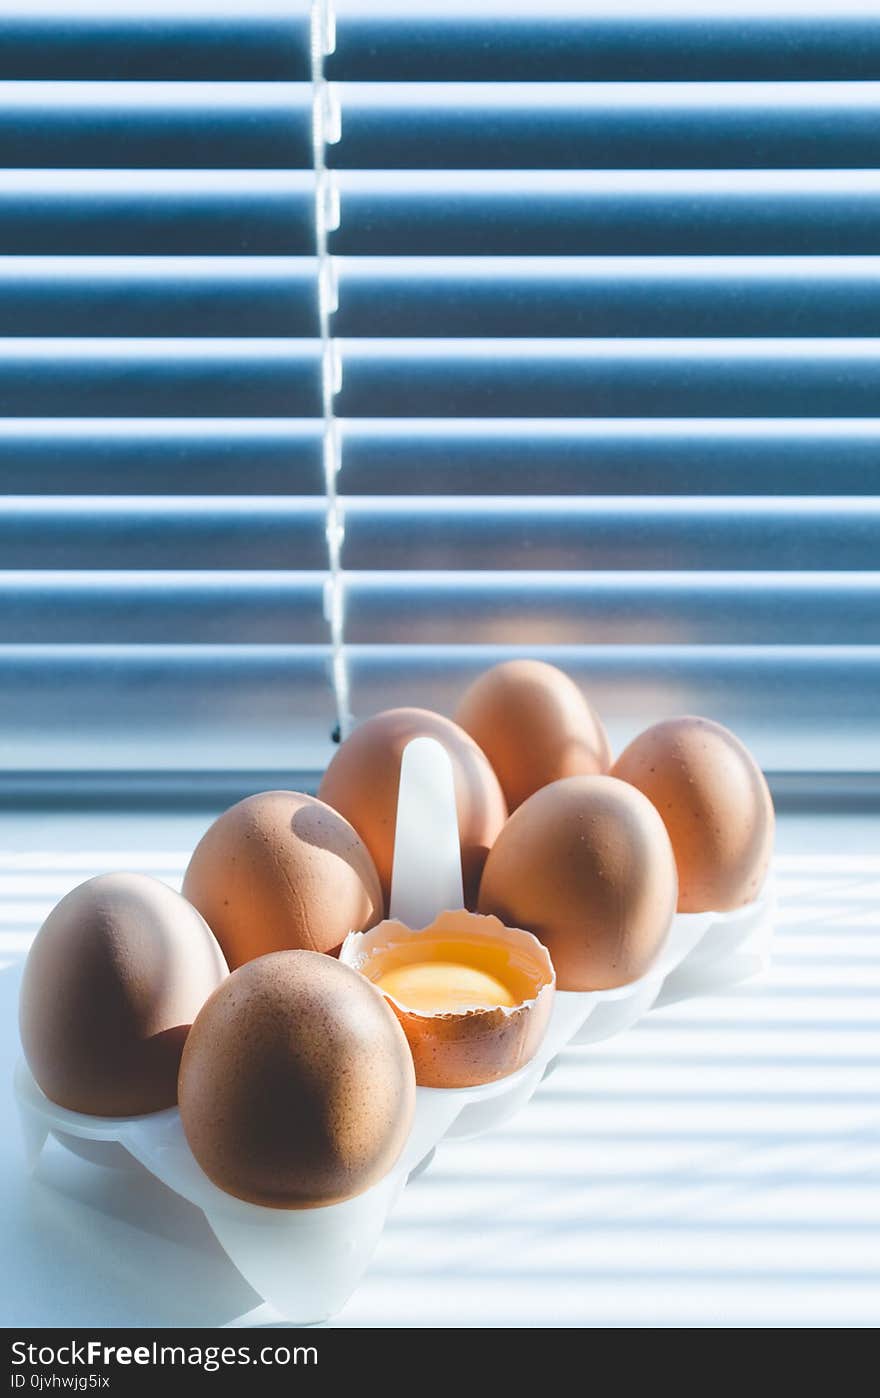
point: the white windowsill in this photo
(717, 1165)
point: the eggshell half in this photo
(280, 871)
(534, 725)
(297, 1086)
(115, 977)
(587, 866)
(465, 1047)
(362, 783)
(716, 805)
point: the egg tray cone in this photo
(306, 1263)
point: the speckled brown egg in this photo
(587, 866)
(297, 1086)
(281, 871)
(115, 977)
(362, 782)
(715, 803)
(534, 725)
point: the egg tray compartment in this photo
(306, 1263)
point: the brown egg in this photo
(535, 727)
(474, 997)
(363, 779)
(115, 977)
(297, 1086)
(586, 865)
(715, 803)
(279, 871)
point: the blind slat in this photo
(261, 296)
(613, 609)
(180, 608)
(609, 456)
(175, 533)
(136, 377)
(168, 708)
(615, 296)
(582, 533)
(256, 42)
(607, 212)
(607, 125)
(623, 42)
(616, 378)
(161, 456)
(157, 212)
(175, 124)
(776, 698)
(171, 296)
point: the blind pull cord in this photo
(326, 129)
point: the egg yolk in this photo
(442, 987)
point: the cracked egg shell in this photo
(587, 866)
(362, 783)
(465, 1046)
(282, 871)
(297, 1087)
(115, 977)
(715, 803)
(534, 725)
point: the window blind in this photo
(163, 532)
(347, 348)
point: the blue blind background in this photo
(347, 348)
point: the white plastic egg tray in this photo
(306, 1263)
